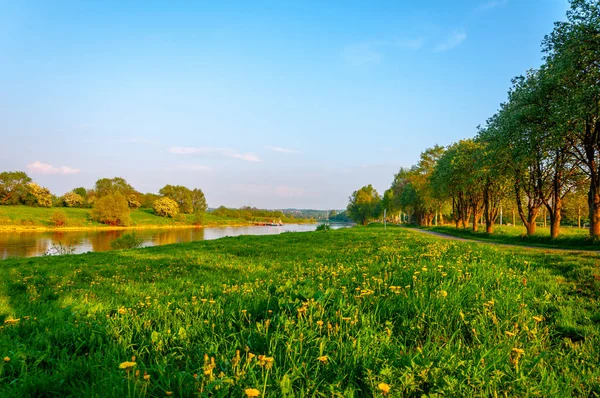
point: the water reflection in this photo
(31, 244)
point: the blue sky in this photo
(269, 104)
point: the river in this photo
(33, 244)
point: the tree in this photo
(181, 195)
(111, 186)
(13, 187)
(573, 57)
(111, 209)
(72, 199)
(38, 196)
(364, 205)
(166, 207)
(198, 201)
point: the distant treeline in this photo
(537, 157)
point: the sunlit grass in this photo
(570, 237)
(361, 312)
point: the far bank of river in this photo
(33, 244)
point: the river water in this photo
(32, 244)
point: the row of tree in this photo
(111, 199)
(539, 152)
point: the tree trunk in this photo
(594, 203)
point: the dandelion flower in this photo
(127, 365)
(252, 392)
(538, 318)
(122, 310)
(6, 359)
(443, 293)
(384, 387)
(323, 359)
(518, 351)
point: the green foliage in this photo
(133, 203)
(189, 201)
(429, 317)
(166, 207)
(111, 209)
(198, 217)
(323, 227)
(126, 241)
(72, 199)
(38, 196)
(364, 205)
(59, 218)
(81, 191)
(112, 186)
(13, 187)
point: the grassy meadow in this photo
(570, 237)
(350, 312)
(27, 217)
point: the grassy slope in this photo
(569, 238)
(422, 314)
(25, 216)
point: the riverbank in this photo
(38, 219)
(355, 311)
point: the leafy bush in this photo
(112, 210)
(323, 227)
(38, 196)
(180, 217)
(127, 241)
(198, 217)
(134, 204)
(166, 207)
(59, 218)
(71, 199)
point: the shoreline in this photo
(33, 228)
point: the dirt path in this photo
(487, 242)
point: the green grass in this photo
(569, 238)
(30, 217)
(430, 317)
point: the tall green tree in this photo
(573, 57)
(13, 187)
(364, 205)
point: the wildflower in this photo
(146, 376)
(384, 387)
(127, 365)
(320, 323)
(538, 318)
(252, 392)
(443, 293)
(518, 351)
(6, 359)
(122, 310)
(250, 356)
(323, 359)
(169, 393)
(510, 334)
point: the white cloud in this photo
(191, 167)
(362, 54)
(488, 5)
(372, 52)
(214, 152)
(452, 41)
(44, 168)
(411, 44)
(282, 150)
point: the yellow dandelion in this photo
(169, 393)
(443, 293)
(127, 365)
(538, 318)
(518, 351)
(384, 387)
(320, 323)
(252, 392)
(122, 310)
(6, 359)
(510, 334)
(250, 356)
(323, 359)
(146, 376)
